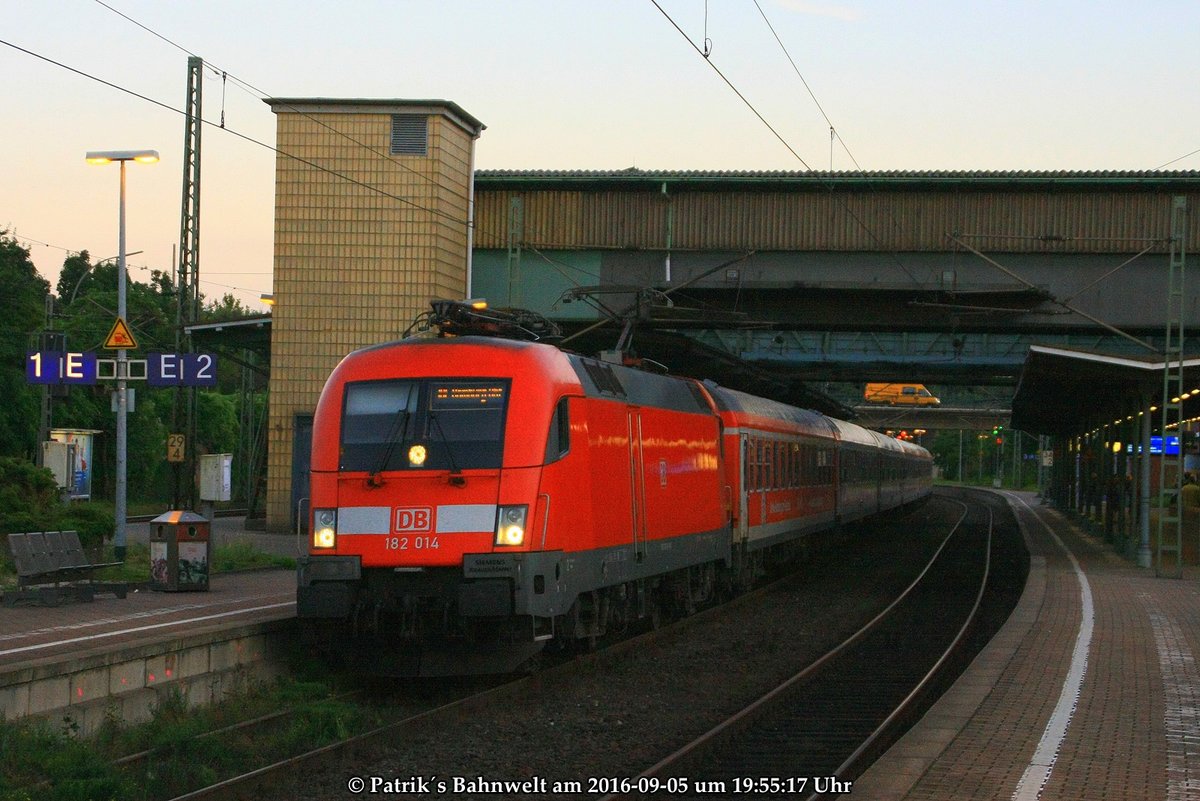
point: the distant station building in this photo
(806, 275)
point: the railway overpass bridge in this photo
(946, 278)
(797, 281)
(901, 418)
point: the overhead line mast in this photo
(188, 290)
(1169, 561)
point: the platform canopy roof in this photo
(1066, 392)
(230, 337)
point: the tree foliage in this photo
(223, 310)
(28, 496)
(24, 310)
(84, 310)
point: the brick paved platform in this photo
(1063, 704)
(89, 662)
(37, 634)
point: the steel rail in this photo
(856, 759)
(751, 713)
(241, 786)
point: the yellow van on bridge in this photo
(900, 394)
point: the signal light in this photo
(999, 440)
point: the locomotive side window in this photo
(558, 442)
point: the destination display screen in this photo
(446, 395)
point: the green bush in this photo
(30, 501)
(29, 497)
(95, 521)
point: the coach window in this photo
(760, 469)
(755, 465)
(558, 441)
(769, 464)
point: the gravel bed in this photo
(616, 719)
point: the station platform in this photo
(1091, 690)
(85, 659)
(37, 634)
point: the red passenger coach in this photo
(474, 498)
(782, 460)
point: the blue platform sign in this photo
(181, 369)
(60, 367)
(1156, 446)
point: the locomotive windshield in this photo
(424, 424)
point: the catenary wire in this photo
(260, 94)
(735, 90)
(1181, 158)
(840, 200)
(834, 133)
(143, 267)
(833, 128)
(238, 134)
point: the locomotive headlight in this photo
(324, 528)
(416, 455)
(510, 525)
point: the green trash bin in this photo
(180, 552)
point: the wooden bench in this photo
(51, 566)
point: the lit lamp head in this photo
(109, 156)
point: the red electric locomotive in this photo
(473, 498)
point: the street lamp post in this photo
(88, 272)
(121, 490)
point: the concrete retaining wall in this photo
(127, 684)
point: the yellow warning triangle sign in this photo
(120, 337)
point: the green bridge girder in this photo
(927, 357)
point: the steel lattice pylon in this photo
(188, 276)
(1170, 516)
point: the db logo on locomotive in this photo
(414, 519)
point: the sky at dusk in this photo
(569, 84)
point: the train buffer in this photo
(52, 566)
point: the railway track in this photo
(267, 781)
(270, 778)
(566, 719)
(352, 751)
(813, 734)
